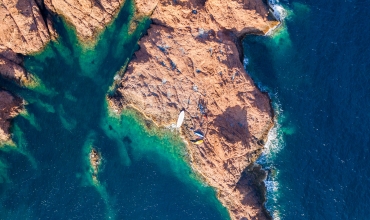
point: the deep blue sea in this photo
(314, 67)
(316, 70)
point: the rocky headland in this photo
(190, 61)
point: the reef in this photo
(10, 106)
(95, 162)
(190, 61)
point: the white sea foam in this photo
(279, 13)
(273, 146)
(275, 140)
(245, 62)
(272, 186)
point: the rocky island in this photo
(189, 60)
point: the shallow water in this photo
(144, 174)
(316, 71)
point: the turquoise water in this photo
(144, 173)
(316, 71)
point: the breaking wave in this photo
(279, 12)
(274, 144)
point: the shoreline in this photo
(140, 94)
(184, 134)
(147, 123)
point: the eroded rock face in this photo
(11, 66)
(89, 17)
(189, 61)
(22, 31)
(22, 28)
(10, 106)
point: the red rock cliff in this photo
(189, 61)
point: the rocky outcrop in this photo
(10, 107)
(89, 17)
(11, 67)
(189, 61)
(95, 162)
(23, 30)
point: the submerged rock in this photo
(197, 55)
(95, 162)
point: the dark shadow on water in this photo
(259, 53)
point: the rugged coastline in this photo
(27, 27)
(189, 60)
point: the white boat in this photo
(197, 133)
(180, 120)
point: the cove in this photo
(144, 172)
